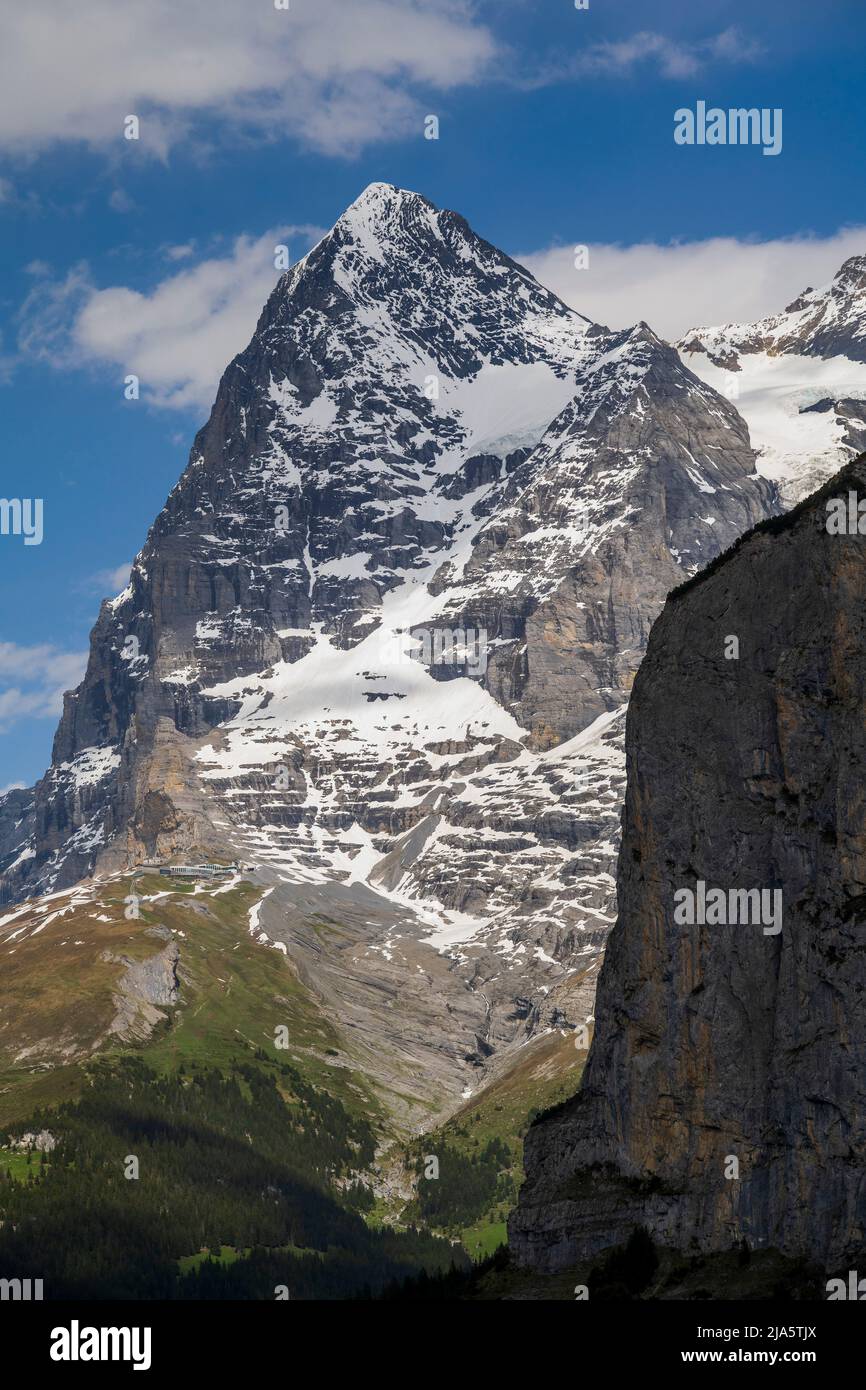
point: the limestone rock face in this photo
(595, 527)
(17, 823)
(724, 1040)
(145, 986)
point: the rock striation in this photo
(724, 1098)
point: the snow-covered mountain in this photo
(380, 639)
(798, 378)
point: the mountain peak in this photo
(386, 223)
(642, 333)
(852, 273)
(402, 292)
(809, 360)
(381, 204)
(826, 321)
(393, 241)
(380, 196)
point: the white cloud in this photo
(674, 58)
(334, 74)
(683, 285)
(178, 339)
(33, 679)
(11, 787)
(11, 198)
(120, 201)
(110, 581)
(646, 51)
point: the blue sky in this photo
(257, 125)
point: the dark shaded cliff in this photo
(725, 1093)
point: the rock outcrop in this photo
(146, 988)
(645, 474)
(725, 1093)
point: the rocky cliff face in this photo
(724, 1094)
(380, 638)
(644, 475)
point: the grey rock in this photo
(725, 1041)
(144, 991)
